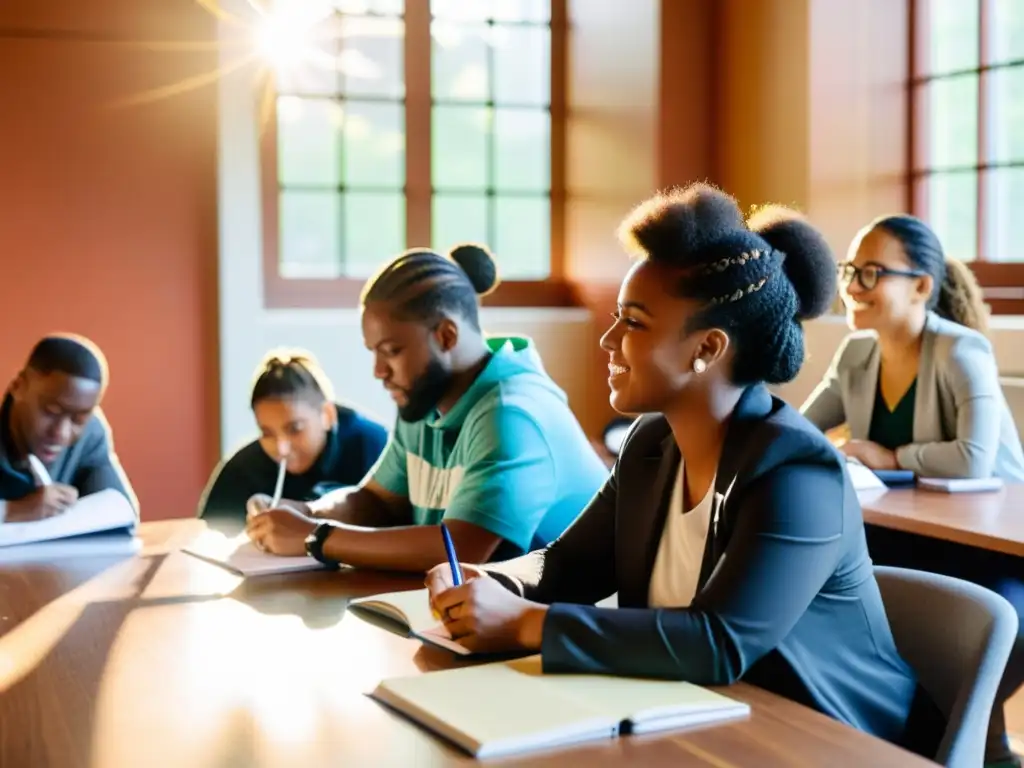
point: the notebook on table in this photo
(960, 484)
(102, 512)
(512, 707)
(410, 612)
(239, 555)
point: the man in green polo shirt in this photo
(485, 440)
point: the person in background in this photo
(916, 387)
(728, 527)
(484, 439)
(55, 444)
(325, 445)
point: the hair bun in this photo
(809, 264)
(478, 264)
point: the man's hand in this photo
(871, 455)
(259, 503)
(44, 502)
(280, 531)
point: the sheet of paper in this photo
(238, 554)
(863, 479)
(103, 511)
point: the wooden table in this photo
(165, 660)
(993, 521)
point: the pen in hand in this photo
(453, 559)
(279, 485)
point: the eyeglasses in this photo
(869, 274)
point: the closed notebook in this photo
(239, 555)
(512, 707)
(960, 484)
(412, 613)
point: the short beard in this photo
(426, 392)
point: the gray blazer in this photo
(962, 424)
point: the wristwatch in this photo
(315, 544)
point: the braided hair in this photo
(290, 374)
(425, 286)
(756, 279)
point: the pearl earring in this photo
(699, 366)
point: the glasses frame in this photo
(848, 272)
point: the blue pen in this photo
(453, 559)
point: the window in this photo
(968, 146)
(403, 123)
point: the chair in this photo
(957, 637)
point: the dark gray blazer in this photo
(962, 424)
(786, 599)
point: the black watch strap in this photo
(315, 544)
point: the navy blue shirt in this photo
(353, 447)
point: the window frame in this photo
(1002, 282)
(281, 292)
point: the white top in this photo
(681, 550)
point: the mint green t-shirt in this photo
(509, 457)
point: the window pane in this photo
(460, 62)
(522, 237)
(308, 142)
(1007, 28)
(1006, 193)
(500, 10)
(1007, 99)
(374, 153)
(459, 219)
(374, 230)
(522, 65)
(952, 122)
(522, 148)
(952, 212)
(310, 234)
(953, 34)
(371, 58)
(315, 74)
(392, 7)
(460, 138)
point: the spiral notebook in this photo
(512, 707)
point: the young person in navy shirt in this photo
(326, 445)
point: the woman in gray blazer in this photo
(916, 387)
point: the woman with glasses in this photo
(916, 387)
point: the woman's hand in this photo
(870, 454)
(485, 617)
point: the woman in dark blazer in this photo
(728, 526)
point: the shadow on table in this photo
(318, 598)
(48, 711)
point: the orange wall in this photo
(108, 221)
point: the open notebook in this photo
(239, 555)
(512, 707)
(411, 612)
(102, 512)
